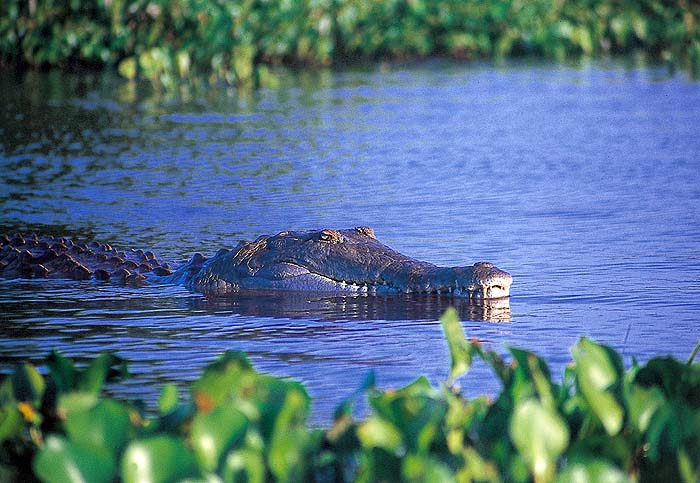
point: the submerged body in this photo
(337, 261)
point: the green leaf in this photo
(208, 478)
(678, 380)
(216, 432)
(127, 68)
(7, 392)
(643, 403)
(11, 425)
(182, 58)
(106, 426)
(244, 465)
(460, 349)
(671, 425)
(378, 433)
(243, 57)
(541, 435)
(63, 461)
(74, 402)
(100, 370)
(690, 472)
(62, 371)
(594, 364)
(530, 376)
(425, 468)
(592, 471)
(176, 420)
(261, 398)
(619, 449)
(597, 373)
(287, 457)
(287, 454)
(418, 410)
(168, 398)
(28, 384)
(159, 459)
(477, 468)
(220, 379)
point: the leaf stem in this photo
(694, 353)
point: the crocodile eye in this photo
(330, 236)
(367, 231)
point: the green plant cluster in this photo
(601, 423)
(234, 41)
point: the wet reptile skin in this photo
(338, 261)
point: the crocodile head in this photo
(337, 261)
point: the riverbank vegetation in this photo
(600, 423)
(236, 42)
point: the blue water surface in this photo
(582, 181)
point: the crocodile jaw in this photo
(481, 282)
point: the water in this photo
(583, 182)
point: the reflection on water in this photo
(355, 307)
(23, 299)
(581, 182)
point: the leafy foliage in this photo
(234, 41)
(601, 423)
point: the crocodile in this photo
(333, 261)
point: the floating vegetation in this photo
(236, 42)
(601, 423)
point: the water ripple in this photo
(581, 182)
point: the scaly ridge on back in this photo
(50, 257)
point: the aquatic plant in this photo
(235, 42)
(600, 423)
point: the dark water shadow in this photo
(23, 300)
(297, 305)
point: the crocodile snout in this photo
(489, 282)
